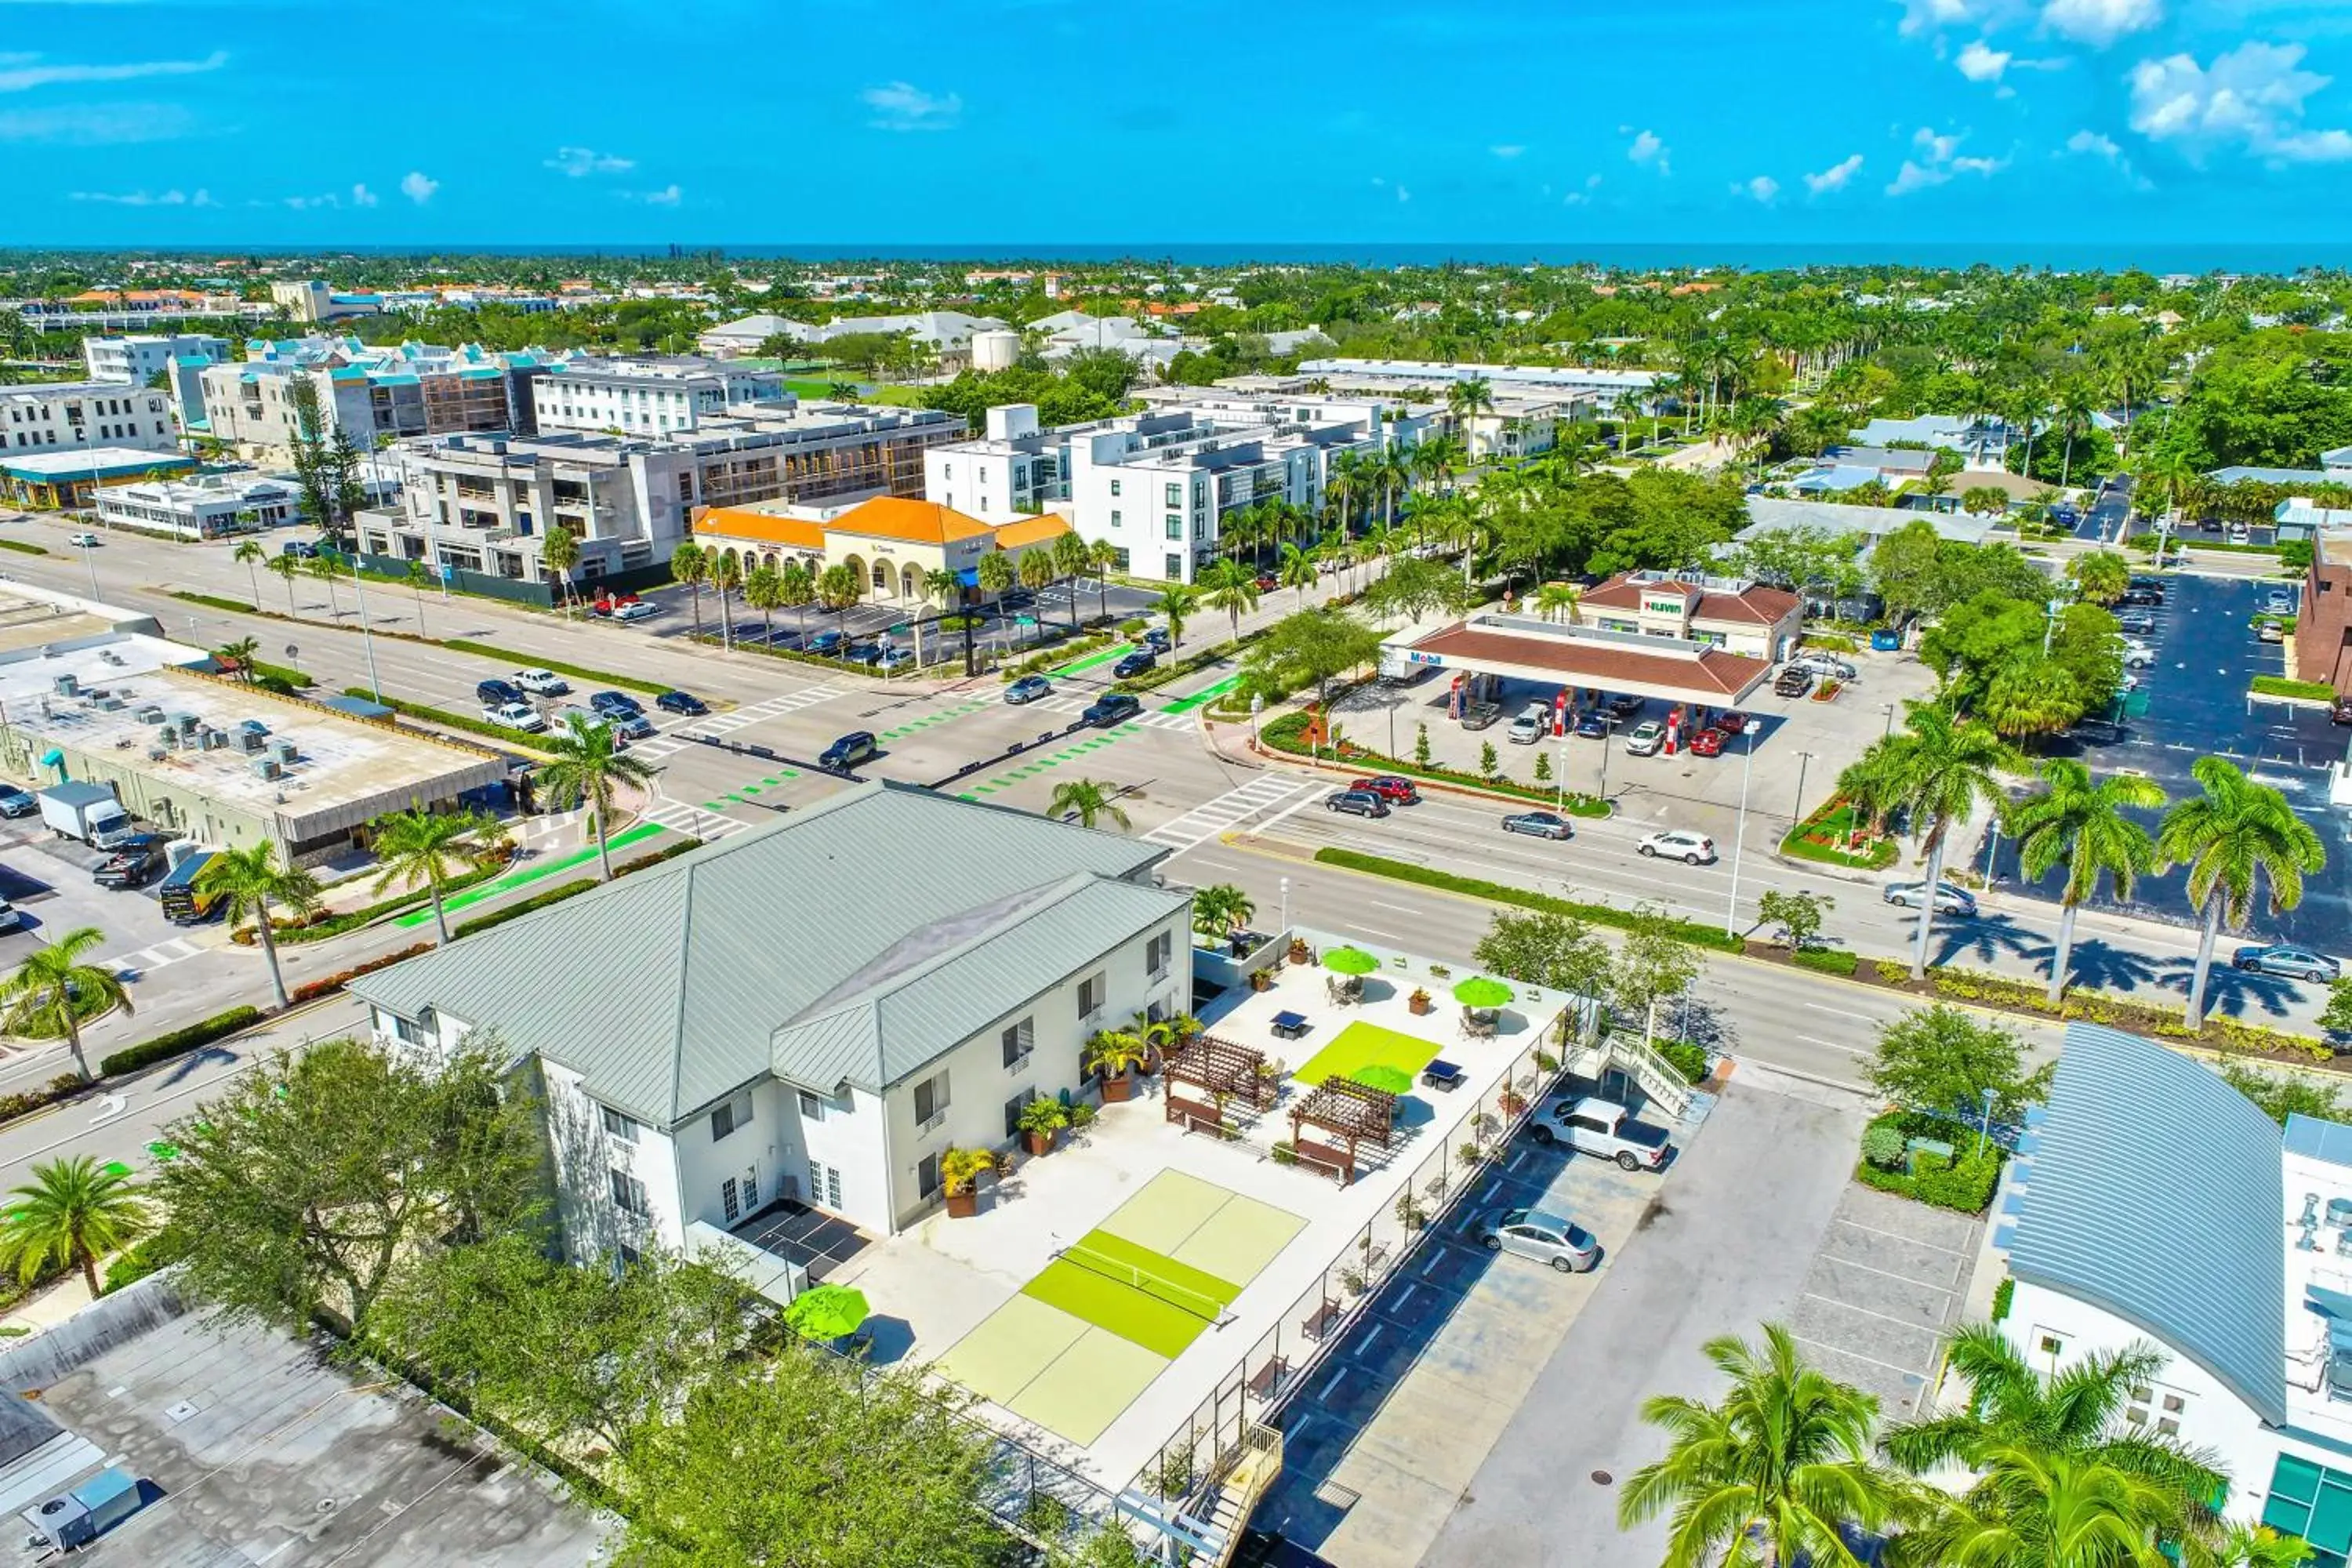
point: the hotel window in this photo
(735, 1113)
(1092, 994)
(1156, 955)
(1175, 495)
(629, 1194)
(811, 1107)
(619, 1128)
(1114, 486)
(1020, 1039)
(931, 1101)
(1175, 526)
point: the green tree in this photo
(2037, 1509)
(421, 848)
(1905, 568)
(1421, 746)
(586, 766)
(241, 654)
(1220, 910)
(558, 552)
(1312, 647)
(2283, 1094)
(1297, 572)
(2102, 576)
(2080, 824)
(1654, 962)
(2336, 1019)
(1796, 916)
(996, 575)
(1773, 1472)
(839, 589)
(2235, 838)
(1940, 771)
(1543, 948)
(54, 990)
(248, 553)
(1072, 558)
(1086, 800)
(796, 591)
(1176, 602)
(1102, 558)
(689, 563)
(419, 577)
(1940, 1058)
(249, 882)
(725, 571)
(72, 1214)
(763, 591)
(1230, 586)
(1984, 501)
(284, 567)
(313, 1181)
(2031, 695)
(1415, 589)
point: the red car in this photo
(1729, 723)
(1708, 743)
(1395, 790)
(1267, 582)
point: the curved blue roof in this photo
(2157, 1193)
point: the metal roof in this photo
(2157, 1194)
(674, 986)
(2317, 1140)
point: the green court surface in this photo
(1158, 1326)
(1361, 1045)
(1086, 1391)
(1012, 1345)
(531, 873)
(1169, 1209)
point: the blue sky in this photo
(947, 121)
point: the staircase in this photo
(1235, 1492)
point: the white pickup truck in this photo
(1601, 1128)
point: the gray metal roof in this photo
(2317, 1140)
(667, 990)
(2156, 1192)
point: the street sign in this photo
(449, 574)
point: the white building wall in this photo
(70, 417)
(975, 482)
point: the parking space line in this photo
(1898, 1235)
(1866, 1312)
(1890, 1274)
(1915, 1373)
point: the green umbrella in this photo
(1479, 991)
(1380, 1076)
(826, 1312)
(1350, 961)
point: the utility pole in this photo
(1739, 838)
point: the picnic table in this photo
(1441, 1074)
(1289, 1026)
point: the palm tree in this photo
(285, 566)
(1943, 769)
(1783, 1463)
(240, 653)
(2080, 824)
(248, 881)
(2075, 406)
(2101, 576)
(1087, 800)
(53, 990)
(1297, 570)
(2035, 1508)
(726, 577)
(689, 566)
(587, 762)
(1102, 560)
(996, 577)
(1220, 910)
(1232, 587)
(1071, 559)
(763, 592)
(1556, 601)
(73, 1212)
(1035, 570)
(838, 589)
(424, 848)
(796, 591)
(1174, 604)
(248, 552)
(558, 552)
(1466, 400)
(2236, 834)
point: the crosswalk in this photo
(1149, 720)
(696, 822)
(171, 950)
(672, 741)
(1226, 812)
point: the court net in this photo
(1158, 1287)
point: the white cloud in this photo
(1928, 16)
(1981, 62)
(1573, 199)
(1936, 149)
(902, 106)
(89, 125)
(1647, 149)
(135, 198)
(1912, 177)
(418, 187)
(1936, 159)
(1835, 176)
(2090, 143)
(311, 203)
(1508, 150)
(576, 162)
(362, 197)
(2251, 96)
(2101, 22)
(1763, 187)
(24, 72)
(667, 196)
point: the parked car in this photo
(1593, 726)
(560, 720)
(1949, 899)
(2278, 602)
(15, 802)
(498, 693)
(1601, 1128)
(1625, 707)
(1112, 707)
(1829, 667)
(682, 702)
(2239, 533)
(889, 656)
(1731, 722)
(1267, 582)
(515, 716)
(1156, 639)
(1708, 743)
(1539, 824)
(1792, 682)
(1544, 1237)
(1533, 724)
(11, 917)
(2137, 624)
(2338, 712)
(1394, 788)
(2151, 586)
(131, 868)
(300, 549)
(632, 726)
(1134, 664)
(2138, 654)
(637, 610)
(1691, 849)
(1028, 689)
(857, 746)
(2286, 959)
(1647, 737)
(542, 682)
(613, 703)
(2270, 631)
(825, 643)
(1356, 803)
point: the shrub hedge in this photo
(334, 983)
(540, 661)
(520, 906)
(177, 1042)
(22, 547)
(325, 926)
(1964, 1183)
(1288, 733)
(445, 719)
(215, 602)
(12, 1106)
(1827, 960)
(2280, 686)
(1690, 1058)
(1708, 936)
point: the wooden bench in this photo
(1323, 1157)
(1195, 1115)
(1318, 1322)
(1267, 1379)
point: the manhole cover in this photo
(1602, 1478)
(1336, 1496)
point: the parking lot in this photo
(1885, 1287)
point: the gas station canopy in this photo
(1525, 647)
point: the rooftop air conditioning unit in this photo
(286, 751)
(62, 1521)
(149, 713)
(185, 722)
(67, 686)
(265, 767)
(214, 739)
(246, 741)
(110, 704)
(167, 737)
(157, 754)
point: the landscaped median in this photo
(2291, 690)
(1525, 897)
(1824, 837)
(514, 738)
(1287, 734)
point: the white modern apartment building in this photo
(647, 395)
(369, 391)
(768, 1045)
(312, 301)
(138, 358)
(81, 415)
(1585, 381)
(205, 506)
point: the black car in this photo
(681, 702)
(1357, 803)
(2149, 598)
(616, 704)
(300, 549)
(852, 749)
(1542, 824)
(1134, 664)
(2151, 586)
(1112, 707)
(824, 643)
(1156, 639)
(499, 693)
(1626, 707)
(15, 802)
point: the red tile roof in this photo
(1756, 605)
(1577, 662)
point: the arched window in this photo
(881, 576)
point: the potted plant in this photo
(1418, 1002)
(1284, 1152)
(1116, 1054)
(1040, 1119)
(1300, 953)
(1082, 1116)
(1261, 979)
(959, 1170)
(1409, 1213)
(1512, 1103)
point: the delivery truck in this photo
(183, 902)
(88, 812)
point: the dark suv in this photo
(1134, 664)
(852, 749)
(1792, 682)
(616, 705)
(499, 693)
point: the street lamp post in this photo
(1984, 1129)
(1803, 760)
(89, 559)
(1560, 751)
(367, 641)
(1285, 904)
(1739, 836)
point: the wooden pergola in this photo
(1347, 1110)
(1220, 1070)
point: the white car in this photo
(643, 609)
(2138, 654)
(1533, 724)
(1647, 737)
(85, 540)
(516, 716)
(1691, 848)
(545, 682)
(1827, 665)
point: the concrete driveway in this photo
(1885, 1288)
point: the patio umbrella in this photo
(826, 1312)
(1479, 991)
(1350, 961)
(1380, 1076)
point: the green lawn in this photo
(1824, 839)
(1361, 1045)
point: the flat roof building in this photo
(203, 506)
(369, 391)
(1580, 657)
(69, 478)
(50, 417)
(652, 395)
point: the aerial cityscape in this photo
(1616, 829)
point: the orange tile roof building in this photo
(892, 543)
